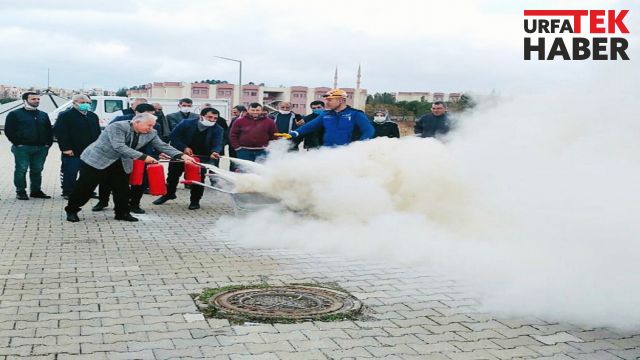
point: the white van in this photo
(108, 107)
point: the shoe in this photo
(39, 195)
(126, 217)
(66, 196)
(100, 206)
(137, 210)
(22, 196)
(163, 199)
(194, 206)
(72, 216)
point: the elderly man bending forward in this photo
(111, 158)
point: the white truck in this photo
(108, 107)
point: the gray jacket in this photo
(175, 118)
(113, 144)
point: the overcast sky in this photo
(456, 45)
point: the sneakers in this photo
(22, 195)
(72, 216)
(126, 217)
(39, 195)
(137, 210)
(100, 206)
(163, 199)
(194, 206)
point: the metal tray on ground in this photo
(245, 203)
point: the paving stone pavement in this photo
(105, 289)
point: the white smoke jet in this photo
(534, 202)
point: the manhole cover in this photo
(294, 302)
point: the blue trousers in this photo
(69, 173)
(251, 155)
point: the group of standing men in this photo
(143, 132)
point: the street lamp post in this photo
(239, 76)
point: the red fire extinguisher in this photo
(135, 178)
(192, 172)
(155, 174)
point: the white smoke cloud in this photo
(533, 201)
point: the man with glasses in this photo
(31, 134)
(75, 129)
(434, 124)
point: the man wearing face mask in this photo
(75, 129)
(286, 121)
(31, 134)
(384, 126)
(185, 107)
(194, 137)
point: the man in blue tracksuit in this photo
(339, 121)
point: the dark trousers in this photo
(175, 170)
(69, 173)
(135, 191)
(90, 177)
(28, 157)
(233, 154)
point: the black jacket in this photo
(430, 125)
(313, 140)
(183, 134)
(388, 129)
(75, 131)
(222, 122)
(29, 127)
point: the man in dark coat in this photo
(75, 129)
(434, 124)
(194, 137)
(31, 134)
(286, 121)
(314, 140)
(186, 112)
